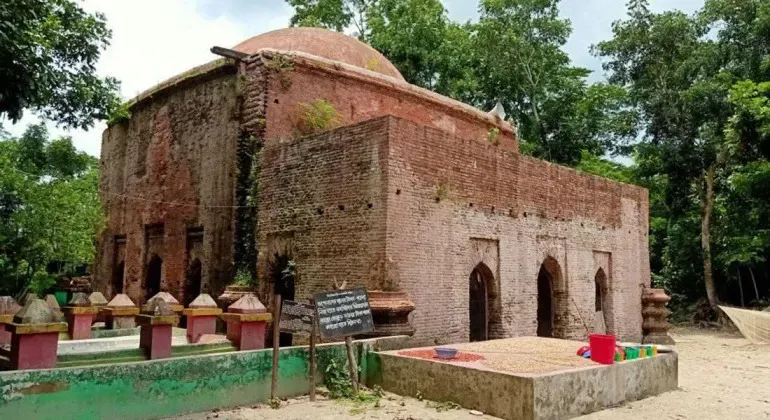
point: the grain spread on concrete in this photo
(530, 355)
(431, 354)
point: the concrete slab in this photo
(96, 345)
(527, 378)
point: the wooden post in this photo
(352, 363)
(276, 343)
(311, 374)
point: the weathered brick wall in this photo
(322, 200)
(358, 98)
(178, 147)
(446, 194)
(424, 198)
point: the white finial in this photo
(498, 111)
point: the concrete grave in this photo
(8, 308)
(34, 336)
(97, 299)
(80, 315)
(120, 312)
(247, 323)
(156, 321)
(201, 317)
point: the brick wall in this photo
(322, 200)
(422, 198)
(177, 148)
(581, 221)
(360, 98)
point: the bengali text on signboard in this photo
(344, 313)
(296, 318)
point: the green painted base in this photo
(185, 383)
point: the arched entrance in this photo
(153, 277)
(117, 278)
(551, 304)
(602, 303)
(482, 309)
(282, 274)
(192, 283)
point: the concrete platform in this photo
(527, 378)
(96, 345)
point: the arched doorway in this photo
(480, 283)
(192, 283)
(551, 307)
(153, 277)
(602, 303)
(117, 278)
(283, 274)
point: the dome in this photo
(322, 43)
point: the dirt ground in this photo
(721, 376)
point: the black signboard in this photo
(343, 313)
(296, 318)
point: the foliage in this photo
(49, 209)
(698, 84)
(120, 114)
(493, 136)
(48, 57)
(336, 15)
(317, 116)
(595, 165)
(283, 66)
(337, 380)
(289, 273)
(419, 39)
(244, 278)
(521, 62)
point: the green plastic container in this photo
(632, 353)
(61, 297)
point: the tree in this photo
(701, 134)
(522, 63)
(428, 49)
(672, 73)
(336, 15)
(49, 208)
(48, 54)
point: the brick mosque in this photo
(310, 151)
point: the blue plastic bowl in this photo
(446, 353)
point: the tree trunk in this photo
(740, 287)
(708, 206)
(754, 282)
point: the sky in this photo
(153, 40)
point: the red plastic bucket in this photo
(602, 348)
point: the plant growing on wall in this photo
(317, 116)
(282, 66)
(244, 278)
(442, 191)
(493, 136)
(119, 115)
